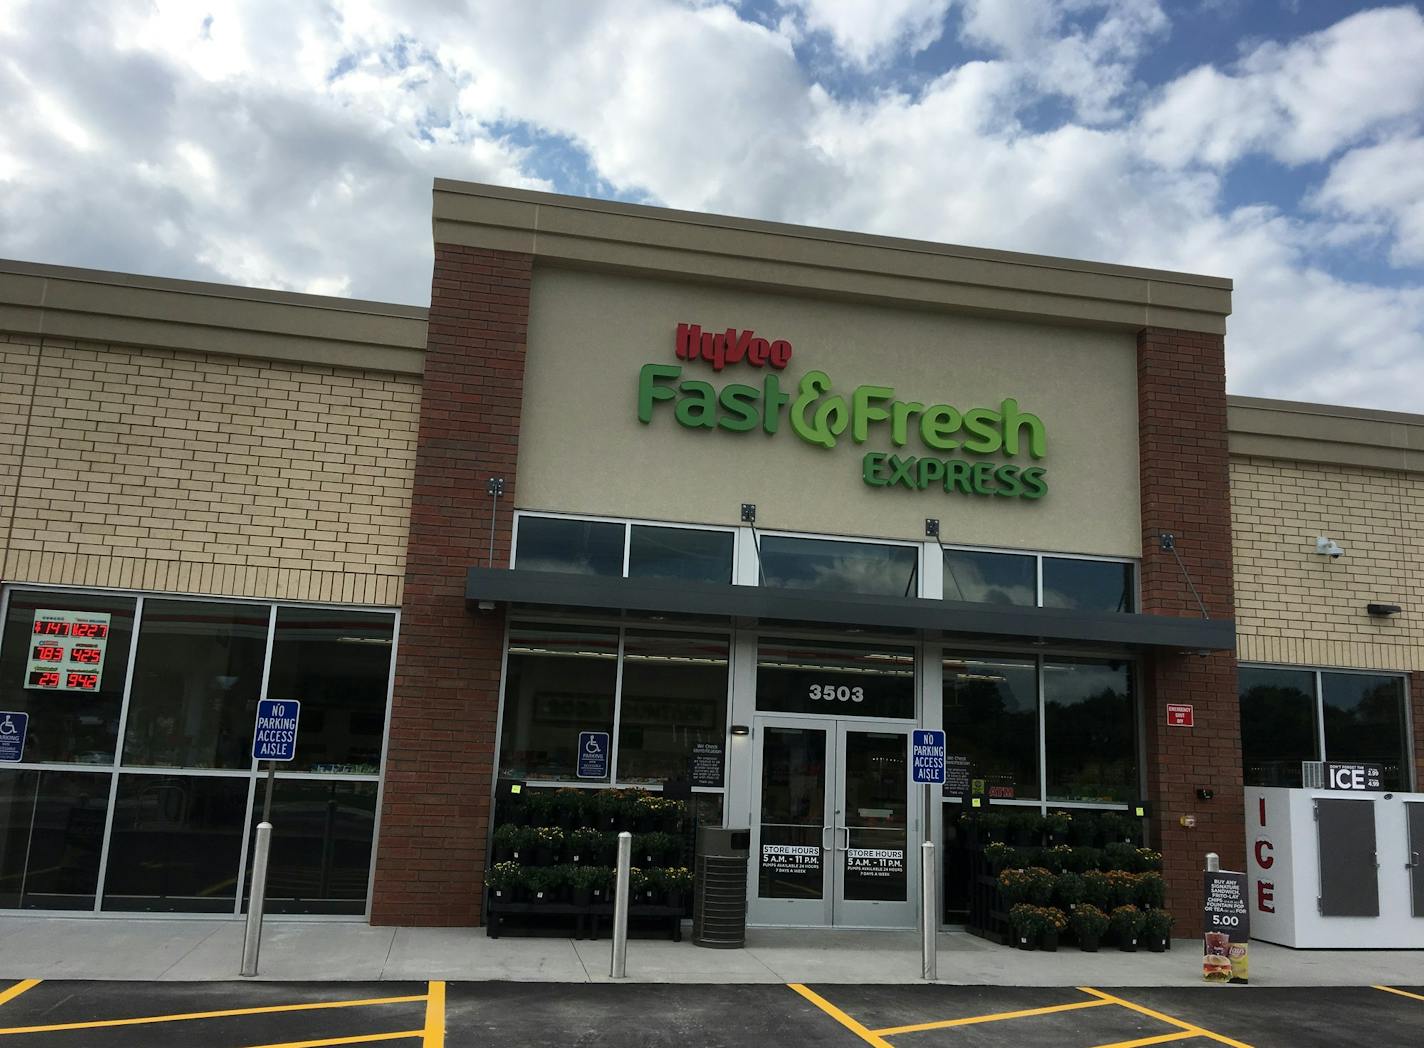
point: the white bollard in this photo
(252, 938)
(618, 969)
(929, 912)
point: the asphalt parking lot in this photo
(433, 1015)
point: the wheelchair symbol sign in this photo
(12, 736)
(593, 755)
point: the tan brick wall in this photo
(170, 470)
(1295, 606)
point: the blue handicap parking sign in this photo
(593, 755)
(927, 755)
(275, 736)
(12, 736)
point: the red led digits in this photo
(48, 653)
(82, 681)
(44, 679)
(50, 628)
(94, 630)
(86, 656)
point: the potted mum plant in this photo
(588, 884)
(1040, 885)
(546, 883)
(548, 842)
(506, 881)
(1023, 919)
(1057, 824)
(1068, 889)
(1088, 924)
(1126, 923)
(584, 846)
(1052, 922)
(1097, 889)
(998, 855)
(1151, 890)
(677, 881)
(1156, 927)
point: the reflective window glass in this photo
(839, 567)
(51, 831)
(338, 665)
(1087, 585)
(580, 547)
(76, 724)
(1364, 723)
(990, 578)
(1277, 725)
(1090, 738)
(690, 554)
(559, 682)
(197, 678)
(673, 721)
(836, 679)
(321, 846)
(991, 718)
(176, 843)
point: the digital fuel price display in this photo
(67, 650)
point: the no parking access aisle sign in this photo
(927, 756)
(275, 737)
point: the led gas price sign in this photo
(819, 415)
(66, 650)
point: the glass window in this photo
(793, 801)
(1364, 723)
(581, 547)
(839, 567)
(1088, 711)
(673, 718)
(68, 725)
(842, 680)
(690, 554)
(1087, 585)
(197, 678)
(51, 832)
(1277, 725)
(990, 578)
(991, 717)
(176, 843)
(321, 846)
(559, 682)
(338, 665)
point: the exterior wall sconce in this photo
(741, 729)
(1384, 611)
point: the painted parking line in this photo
(434, 1032)
(20, 987)
(1142, 1042)
(944, 1024)
(1386, 989)
(841, 1017)
(360, 1038)
(1191, 1028)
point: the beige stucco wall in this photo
(582, 449)
(197, 472)
(1295, 606)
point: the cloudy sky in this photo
(291, 144)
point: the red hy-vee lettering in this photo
(721, 348)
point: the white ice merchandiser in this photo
(1336, 869)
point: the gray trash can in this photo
(719, 902)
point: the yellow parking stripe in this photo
(1160, 1017)
(840, 1016)
(326, 1042)
(1386, 989)
(19, 988)
(1142, 1042)
(434, 1015)
(971, 1020)
(267, 1010)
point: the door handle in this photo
(825, 830)
(846, 846)
(1413, 862)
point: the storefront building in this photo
(752, 501)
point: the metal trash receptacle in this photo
(719, 902)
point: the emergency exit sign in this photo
(1179, 715)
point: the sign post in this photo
(13, 727)
(274, 738)
(927, 768)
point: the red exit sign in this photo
(1179, 715)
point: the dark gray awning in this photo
(750, 605)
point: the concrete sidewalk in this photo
(206, 950)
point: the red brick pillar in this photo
(1416, 700)
(1181, 396)
(439, 763)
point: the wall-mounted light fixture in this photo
(748, 512)
(1328, 547)
(1384, 611)
(741, 729)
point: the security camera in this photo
(1329, 548)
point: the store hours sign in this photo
(66, 650)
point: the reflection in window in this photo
(176, 843)
(1087, 585)
(690, 554)
(1364, 723)
(338, 665)
(1089, 730)
(991, 717)
(197, 679)
(66, 727)
(1277, 725)
(559, 681)
(321, 847)
(990, 578)
(580, 547)
(674, 706)
(51, 831)
(835, 679)
(839, 567)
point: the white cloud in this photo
(872, 32)
(1383, 183)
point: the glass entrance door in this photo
(832, 821)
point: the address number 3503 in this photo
(837, 693)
